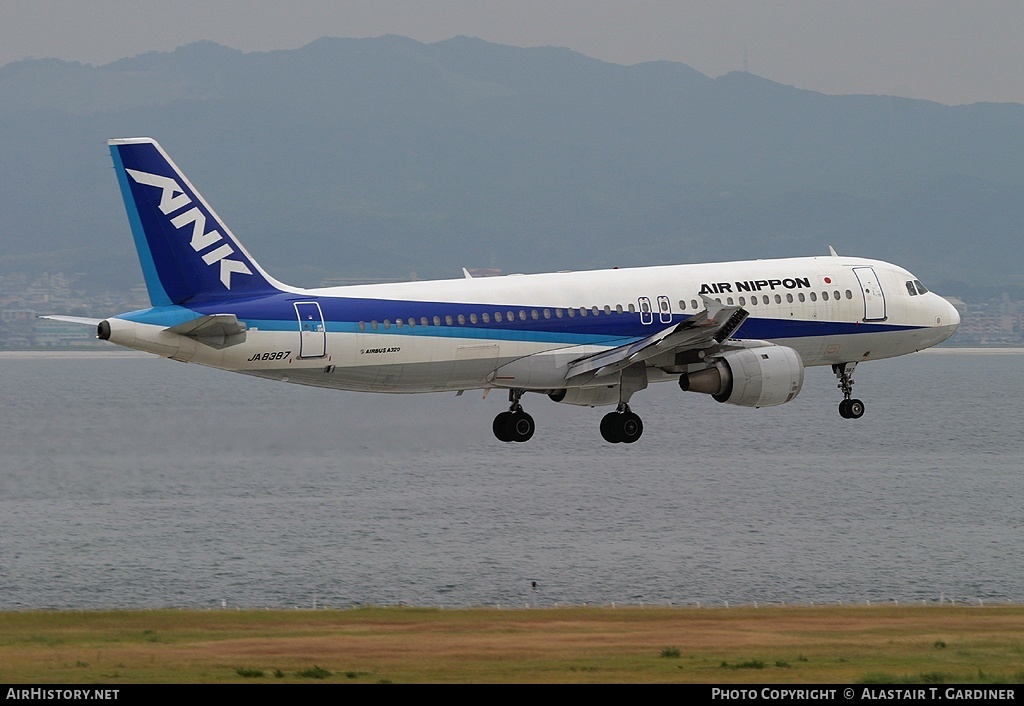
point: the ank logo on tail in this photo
(172, 199)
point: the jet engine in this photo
(750, 377)
(587, 396)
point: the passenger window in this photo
(849, 294)
(362, 325)
(497, 316)
(583, 312)
(558, 313)
(387, 323)
(682, 305)
(694, 302)
(472, 318)
(789, 298)
(595, 310)
(753, 301)
(534, 315)
(824, 296)
(522, 315)
(437, 321)
(486, 317)
(448, 319)
(461, 318)
(801, 297)
(607, 310)
(728, 300)
(424, 321)
(814, 297)
(632, 309)
(765, 298)
(618, 308)
(778, 299)
(571, 313)
(547, 313)
(835, 295)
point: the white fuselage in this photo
(522, 331)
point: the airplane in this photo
(740, 332)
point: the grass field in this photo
(933, 644)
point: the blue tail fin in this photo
(186, 251)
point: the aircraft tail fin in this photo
(185, 250)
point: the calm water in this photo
(135, 482)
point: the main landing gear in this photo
(515, 424)
(848, 408)
(621, 426)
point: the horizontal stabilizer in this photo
(84, 321)
(215, 330)
(715, 324)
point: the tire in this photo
(855, 409)
(521, 426)
(610, 428)
(502, 427)
(630, 428)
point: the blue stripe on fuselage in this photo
(343, 314)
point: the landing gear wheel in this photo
(630, 427)
(621, 427)
(520, 426)
(515, 424)
(851, 409)
(501, 426)
(610, 428)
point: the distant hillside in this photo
(380, 157)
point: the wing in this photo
(715, 324)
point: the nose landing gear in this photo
(848, 408)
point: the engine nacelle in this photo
(587, 396)
(750, 377)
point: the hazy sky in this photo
(945, 50)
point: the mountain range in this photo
(390, 158)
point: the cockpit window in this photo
(920, 287)
(910, 288)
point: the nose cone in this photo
(947, 320)
(954, 318)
